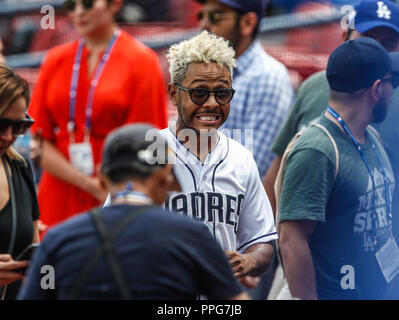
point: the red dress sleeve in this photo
(38, 107)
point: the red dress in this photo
(130, 89)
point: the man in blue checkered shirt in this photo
(263, 87)
(263, 90)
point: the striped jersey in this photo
(225, 192)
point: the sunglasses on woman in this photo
(70, 5)
(201, 95)
(18, 127)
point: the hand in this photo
(7, 265)
(92, 185)
(250, 282)
(41, 226)
(242, 263)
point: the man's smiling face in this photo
(209, 115)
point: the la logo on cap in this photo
(383, 11)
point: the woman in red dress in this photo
(84, 90)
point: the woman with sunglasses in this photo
(85, 89)
(19, 211)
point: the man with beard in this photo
(335, 214)
(219, 179)
(376, 19)
(263, 88)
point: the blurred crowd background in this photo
(300, 34)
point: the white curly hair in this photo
(205, 47)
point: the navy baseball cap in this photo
(357, 64)
(257, 6)
(128, 148)
(370, 14)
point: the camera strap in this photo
(106, 247)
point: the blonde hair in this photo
(205, 47)
(12, 87)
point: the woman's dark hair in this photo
(12, 87)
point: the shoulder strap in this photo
(106, 242)
(279, 179)
(106, 247)
(333, 143)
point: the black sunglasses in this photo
(394, 80)
(18, 126)
(215, 16)
(201, 95)
(70, 5)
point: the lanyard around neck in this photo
(363, 156)
(93, 84)
(128, 195)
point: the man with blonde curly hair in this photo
(219, 179)
(264, 91)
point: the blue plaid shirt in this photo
(262, 100)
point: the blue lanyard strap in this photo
(93, 84)
(363, 156)
(130, 195)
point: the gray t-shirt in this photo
(312, 100)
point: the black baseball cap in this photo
(357, 64)
(132, 147)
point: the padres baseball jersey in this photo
(225, 192)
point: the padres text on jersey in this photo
(225, 192)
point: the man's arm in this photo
(270, 179)
(253, 262)
(256, 229)
(55, 163)
(297, 259)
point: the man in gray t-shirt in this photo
(332, 222)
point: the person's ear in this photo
(345, 35)
(173, 93)
(104, 181)
(116, 6)
(160, 177)
(376, 90)
(248, 22)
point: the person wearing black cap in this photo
(133, 249)
(376, 19)
(335, 210)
